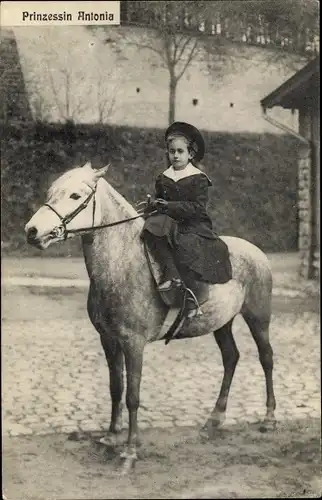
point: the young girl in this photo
(180, 235)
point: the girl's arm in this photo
(193, 207)
(159, 192)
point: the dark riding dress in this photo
(197, 249)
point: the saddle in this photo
(182, 298)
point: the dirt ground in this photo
(241, 462)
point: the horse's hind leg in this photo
(230, 357)
(259, 327)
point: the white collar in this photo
(177, 175)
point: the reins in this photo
(103, 226)
(63, 231)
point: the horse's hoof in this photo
(210, 429)
(106, 441)
(128, 463)
(204, 434)
(110, 440)
(214, 424)
(267, 426)
(212, 432)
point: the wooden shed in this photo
(302, 92)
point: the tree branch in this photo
(176, 47)
(53, 88)
(79, 108)
(105, 105)
(183, 48)
(111, 107)
(146, 46)
(167, 48)
(188, 61)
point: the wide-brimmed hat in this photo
(191, 133)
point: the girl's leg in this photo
(163, 254)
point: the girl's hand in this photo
(160, 205)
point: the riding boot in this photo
(161, 251)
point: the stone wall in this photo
(308, 197)
(316, 192)
(13, 96)
(79, 64)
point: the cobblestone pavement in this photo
(55, 378)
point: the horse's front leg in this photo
(133, 348)
(115, 361)
(114, 357)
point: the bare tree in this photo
(67, 91)
(176, 47)
(168, 37)
(104, 85)
(105, 102)
(62, 88)
(69, 103)
(177, 52)
(40, 107)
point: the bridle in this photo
(62, 232)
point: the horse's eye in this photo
(75, 196)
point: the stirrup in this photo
(169, 284)
(194, 313)
(194, 310)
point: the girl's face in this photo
(178, 152)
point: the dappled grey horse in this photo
(123, 304)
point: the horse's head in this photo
(70, 205)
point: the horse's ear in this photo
(100, 172)
(87, 165)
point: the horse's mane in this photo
(125, 207)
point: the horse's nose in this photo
(31, 234)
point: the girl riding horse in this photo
(179, 233)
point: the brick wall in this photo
(13, 97)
